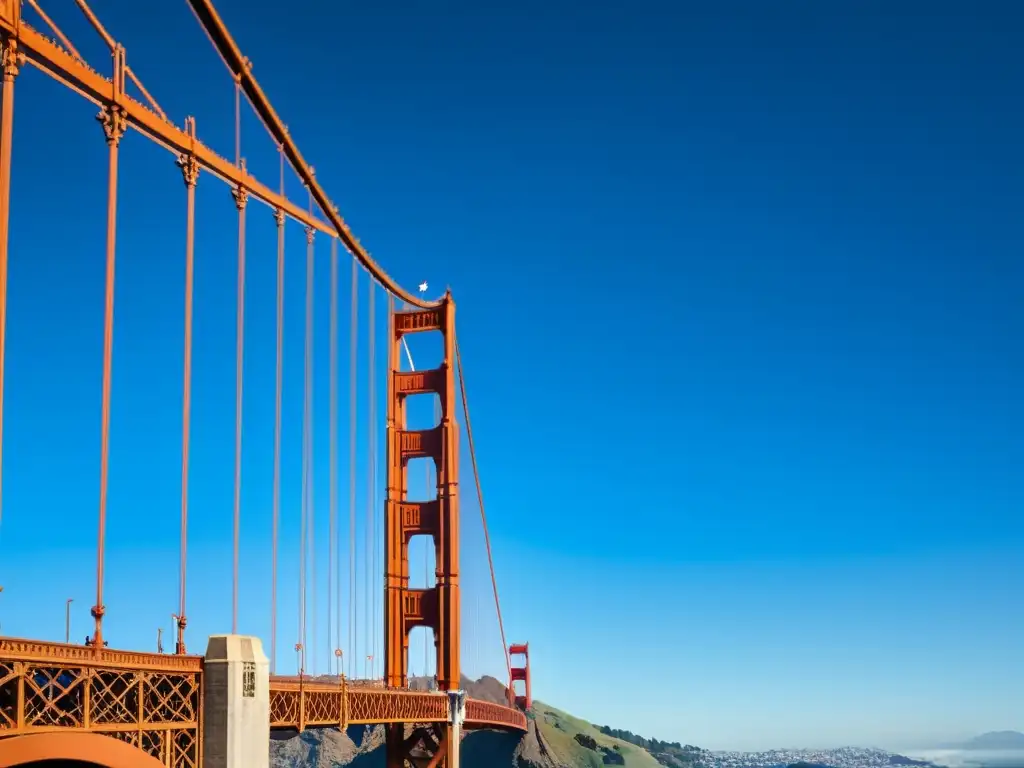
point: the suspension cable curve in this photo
(241, 67)
(483, 514)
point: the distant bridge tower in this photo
(524, 702)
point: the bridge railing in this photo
(480, 714)
(304, 703)
(152, 701)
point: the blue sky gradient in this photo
(739, 299)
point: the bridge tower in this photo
(524, 702)
(437, 607)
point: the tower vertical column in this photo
(439, 606)
(394, 546)
(447, 628)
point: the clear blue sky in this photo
(739, 296)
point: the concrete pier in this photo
(236, 703)
(457, 701)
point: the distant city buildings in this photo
(844, 757)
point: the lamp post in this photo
(67, 620)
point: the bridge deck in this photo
(154, 701)
(296, 703)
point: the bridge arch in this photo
(83, 750)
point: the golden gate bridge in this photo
(114, 707)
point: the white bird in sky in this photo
(423, 287)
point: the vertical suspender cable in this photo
(377, 584)
(114, 127)
(241, 196)
(305, 523)
(311, 636)
(352, 432)
(279, 368)
(333, 635)
(190, 171)
(6, 143)
(371, 624)
(483, 514)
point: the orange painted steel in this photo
(487, 714)
(75, 748)
(51, 58)
(190, 175)
(525, 701)
(303, 703)
(353, 392)
(113, 123)
(278, 381)
(241, 199)
(8, 71)
(437, 607)
(241, 68)
(153, 702)
(150, 701)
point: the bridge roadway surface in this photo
(150, 698)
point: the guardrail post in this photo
(236, 703)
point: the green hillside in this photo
(560, 730)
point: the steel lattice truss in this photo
(151, 701)
(486, 714)
(304, 704)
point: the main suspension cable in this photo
(241, 67)
(483, 514)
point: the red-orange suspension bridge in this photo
(152, 701)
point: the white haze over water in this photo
(974, 758)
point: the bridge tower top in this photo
(521, 673)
